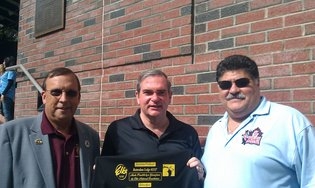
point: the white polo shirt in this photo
(274, 147)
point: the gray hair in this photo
(153, 72)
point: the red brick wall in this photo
(109, 43)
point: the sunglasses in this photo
(58, 92)
(242, 82)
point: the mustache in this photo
(235, 96)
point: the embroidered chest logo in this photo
(252, 137)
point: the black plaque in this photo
(160, 170)
(49, 16)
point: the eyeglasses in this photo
(58, 92)
(242, 82)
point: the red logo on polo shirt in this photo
(252, 137)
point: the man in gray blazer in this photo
(52, 149)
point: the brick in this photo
(202, 58)
(201, 109)
(266, 24)
(207, 120)
(170, 52)
(151, 56)
(142, 48)
(176, 109)
(201, 8)
(130, 93)
(125, 102)
(209, 36)
(197, 68)
(299, 43)
(204, 17)
(125, 52)
(265, 84)
(161, 45)
(309, 4)
(273, 71)
(304, 94)
(292, 82)
(197, 89)
(266, 48)
(200, 28)
(76, 40)
(89, 22)
(249, 39)
(200, 49)
(207, 98)
(263, 3)
(168, 34)
(171, 14)
(115, 94)
(293, 57)
(178, 90)
(117, 13)
(285, 33)
(184, 79)
(206, 78)
(181, 21)
(303, 68)
(180, 99)
(135, 41)
(222, 44)
(234, 9)
(113, 111)
(88, 81)
(133, 25)
(214, 4)
(185, 10)
(300, 18)
(251, 16)
(116, 78)
(185, 50)
(235, 31)
(277, 96)
(49, 54)
(181, 40)
(173, 71)
(284, 9)
(310, 29)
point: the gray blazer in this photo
(25, 159)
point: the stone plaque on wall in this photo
(49, 16)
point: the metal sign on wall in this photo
(49, 16)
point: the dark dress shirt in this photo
(65, 153)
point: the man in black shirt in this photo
(152, 129)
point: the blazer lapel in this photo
(85, 155)
(41, 148)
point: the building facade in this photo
(109, 43)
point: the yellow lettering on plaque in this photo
(168, 170)
(145, 184)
